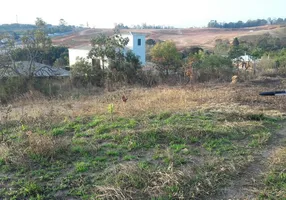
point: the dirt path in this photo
(249, 181)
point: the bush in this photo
(214, 67)
(12, 87)
(46, 87)
(147, 78)
(84, 73)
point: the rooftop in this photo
(39, 70)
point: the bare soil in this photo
(204, 37)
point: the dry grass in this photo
(161, 99)
(32, 144)
(278, 157)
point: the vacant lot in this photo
(204, 37)
(211, 141)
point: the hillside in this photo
(204, 37)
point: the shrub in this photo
(214, 67)
(12, 87)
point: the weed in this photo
(81, 166)
(110, 110)
(31, 189)
(58, 131)
(129, 157)
(178, 147)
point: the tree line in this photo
(17, 30)
(142, 26)
(248, 23)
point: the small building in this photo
(244, 62)
(136, 44)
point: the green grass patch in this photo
(159, 156)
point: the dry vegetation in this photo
(163, 143)
(156, 100)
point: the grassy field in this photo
(195, 142)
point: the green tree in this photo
(84, 73)
(214, 67)
(166, 57)
(62, 22)
(150, 42)
(107, 47)
(235, 42)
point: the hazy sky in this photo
(104, 13)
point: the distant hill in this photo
(204, 37)
(21, 28)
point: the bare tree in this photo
(32, 43)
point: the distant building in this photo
(244, 62)
(136, 44)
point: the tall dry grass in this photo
(239, 97)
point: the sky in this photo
(104, 13)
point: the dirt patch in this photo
(187, 37)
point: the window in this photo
(139, 42)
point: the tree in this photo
(107, 47)
(150, 42)
(85, 73)
(191, 51)
(166, 57)
(62, 22)
(40, 23)
(122, 64)
(33, 43)
(235, 42)
(124, 67)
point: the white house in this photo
(136, 44)
(244, 62)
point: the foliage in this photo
(110, 110)
(150, 41)
(191, 51)
(107, 47)
(19, 29)
(249, 23)
(210, 67)
(33, 43)
(12, 87)
(122, 64)
(55, 55)
(124, 68)
(85, 73)
(166, 57)
(235, 42)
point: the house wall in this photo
(132, 45)
(77, 53)
(139, 50)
